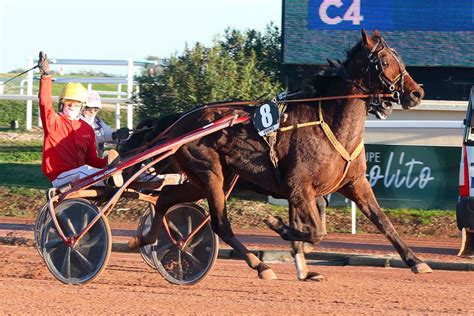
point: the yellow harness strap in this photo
(332, 138)
(287, 128)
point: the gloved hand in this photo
(43, 64)
(121, 133)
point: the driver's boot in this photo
(113, 158)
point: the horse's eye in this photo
(384, 63)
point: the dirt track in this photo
(128, 286)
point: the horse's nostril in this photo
(416, 95)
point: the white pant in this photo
(84, 171)
(73, 175)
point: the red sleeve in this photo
(48, 115)
(91, 157)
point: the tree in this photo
(239, 66)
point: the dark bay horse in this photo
(318, 148)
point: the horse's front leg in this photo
(361, 193)
(302, 271)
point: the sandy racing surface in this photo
(128, 286)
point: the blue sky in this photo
(119, 29)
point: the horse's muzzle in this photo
(413, 98)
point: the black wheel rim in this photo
(190, 264)
(143, 228)
(87, 258)
(41, 219)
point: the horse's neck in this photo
(346, 119)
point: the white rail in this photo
(128, 80)
(18, 97)
(414, 124)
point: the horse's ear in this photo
(377, 34)
(367, 40)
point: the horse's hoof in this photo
(315, 277)
(265, 272)
(267, 275)
(421, 268)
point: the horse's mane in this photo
(351, 53)
(157, 125)
(319, 84)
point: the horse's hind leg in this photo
(361, 193)
(221, 226)
(203, 166)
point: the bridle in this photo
(375, 63)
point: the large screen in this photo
(425, 32)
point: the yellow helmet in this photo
(73, 91)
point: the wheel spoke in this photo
(195, 260)
(163, 250)
(85, 220)
(95, 240)
(175, 229)
(196, 241)
(83, 260)
(163, 247)
(66, 267)
(53, 243)
(66, 221)
(180, 266)
(190, 225)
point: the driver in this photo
(103, 132)
(69, 148)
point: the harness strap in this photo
(334, 142)
(287, 128)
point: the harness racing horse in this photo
(318, 150)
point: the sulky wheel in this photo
(192, 263)
(41, 218)
(87, 259)
(144, 227)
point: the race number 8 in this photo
(352, 13)
(266, 114)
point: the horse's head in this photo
(385, 73)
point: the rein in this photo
(253, 102)
(342, 97)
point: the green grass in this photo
(20, 165)
(23, 175)
(28, 152)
